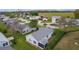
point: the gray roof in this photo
(2, 37)
(11, 22)
(41, 33)
(22, 26)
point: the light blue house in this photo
(40, 38)
(3, 41)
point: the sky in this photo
(10, 10)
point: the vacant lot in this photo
(65, 14)
(69, 42)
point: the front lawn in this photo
(57, 35)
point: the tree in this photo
(3, 28)
(76, 13)
(10, 14)
(33, 23)
(33, 13)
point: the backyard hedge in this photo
(57, 35)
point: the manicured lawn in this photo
(57, 35)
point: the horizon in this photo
(13, 10)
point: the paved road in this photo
(6, 48)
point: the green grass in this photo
(71, 28)
(21, 43)
(54, 39)
(65, 14)
(3, 28)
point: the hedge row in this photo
(57, 35)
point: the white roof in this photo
(11, 38)
(2, 37)
(77, 19)
(56, 16)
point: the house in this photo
(45, 19)
(34, 17)
(27, 16)
(3, 17)
(3, 41)
(53, 26)
(23, 28)
(11, 22)
(55, 19)
(40, 38)
(76, 22)
(68, 19)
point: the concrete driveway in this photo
(6, 48)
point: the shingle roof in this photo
(22, 26)
(56, 16)
(41, 33)
(2, 37)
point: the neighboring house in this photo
(35, 17)
(23, 28)
(27, 16)
(76, 22)
(3, 17)
(3, 41)
(40, 38)
(53, 26)
(68, 19)
(45, 19)
(55, 19)
(11, 22)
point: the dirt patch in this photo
(69, 42)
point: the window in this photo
(41, 45)
(4, 44)
(47, 36)
(23, 31)
(30, 40)
(27, 30)
(34, 42)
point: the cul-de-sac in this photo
(24, 29)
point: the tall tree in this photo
(34, 13)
